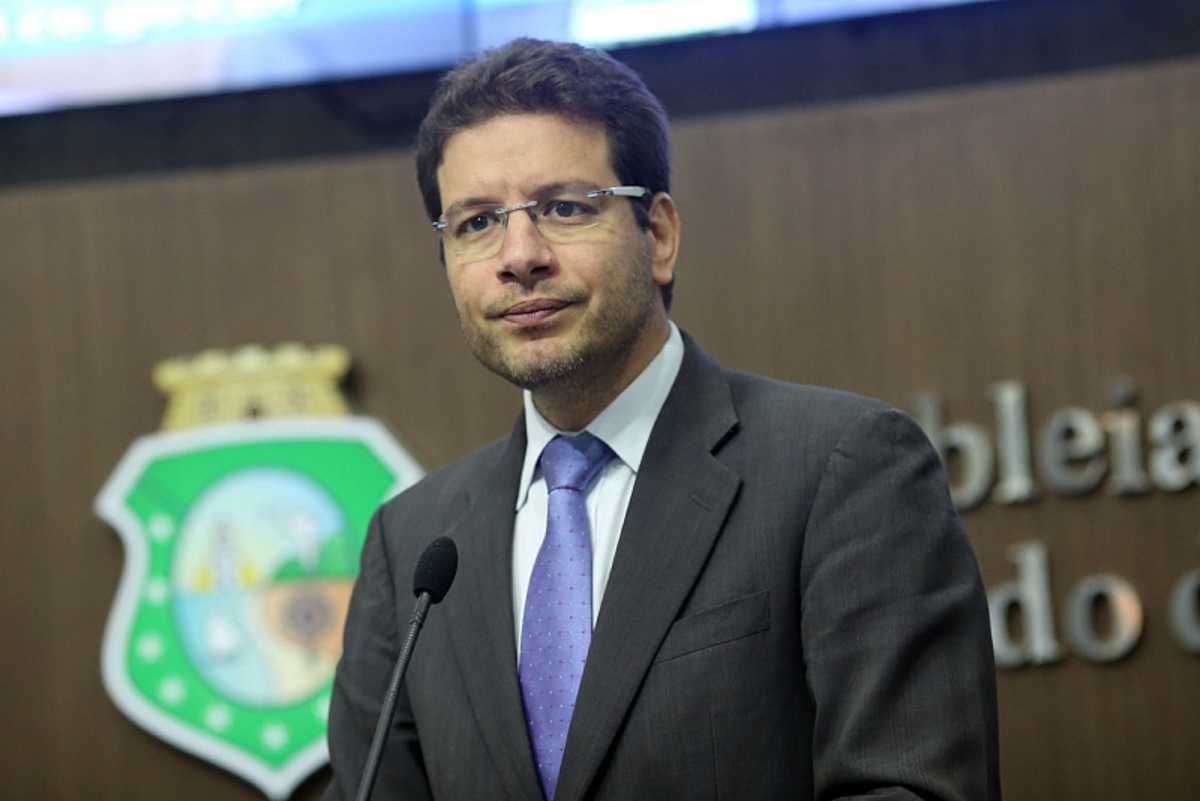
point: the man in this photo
(743, 589)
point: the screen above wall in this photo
(63, 53)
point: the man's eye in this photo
(475, 225)
(565, 210)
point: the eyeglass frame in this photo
(502, 212)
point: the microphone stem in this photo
(384, 726)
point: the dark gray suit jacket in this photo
(793, 612)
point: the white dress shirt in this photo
(624, 426)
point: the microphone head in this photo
(436, 568)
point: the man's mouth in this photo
(529, 313)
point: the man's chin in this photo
(534, 365)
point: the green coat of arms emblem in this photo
(242, 543)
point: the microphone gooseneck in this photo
(431, 580)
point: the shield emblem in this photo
(242, 543)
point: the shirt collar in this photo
(624, 425)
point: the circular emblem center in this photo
(258, 601)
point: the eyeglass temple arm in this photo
(620, 191)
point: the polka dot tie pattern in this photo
(557, 624)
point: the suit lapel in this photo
(481, 625)
(679, 503)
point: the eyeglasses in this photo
(566, 214)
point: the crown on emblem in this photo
(252, 381)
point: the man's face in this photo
(539, 313)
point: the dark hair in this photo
(534, 76)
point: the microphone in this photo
(435, 569)
(431, 580)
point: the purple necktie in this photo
(556, 629)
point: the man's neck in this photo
(570, 404)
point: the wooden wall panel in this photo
(1040, 231)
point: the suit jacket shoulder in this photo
(796, 409)
(442, 494)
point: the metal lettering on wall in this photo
(1076, 451)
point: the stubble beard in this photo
(587, 357)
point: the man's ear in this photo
(664, 231)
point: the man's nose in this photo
(525, 253)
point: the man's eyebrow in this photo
(577, 184)
(469, 202)
(542, 191)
